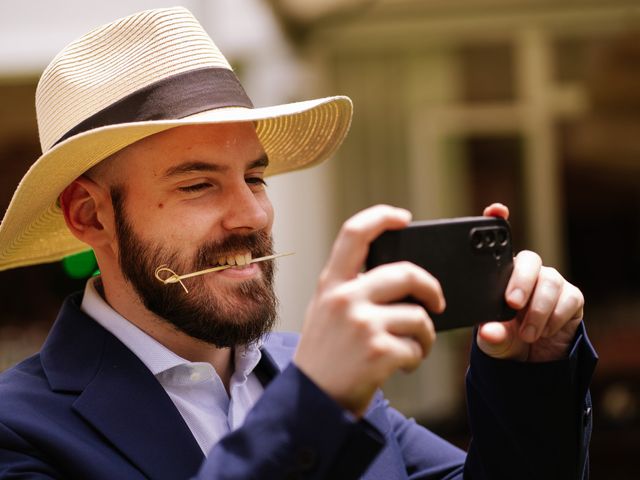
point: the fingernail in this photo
(404, 212)
(516, 297)
(529, 334)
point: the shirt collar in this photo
(246, 359)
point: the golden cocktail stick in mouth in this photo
(175, 278)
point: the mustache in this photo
(260, 244)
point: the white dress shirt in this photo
(194, 387)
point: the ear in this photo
(87, 212)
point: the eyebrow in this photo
(195, 166)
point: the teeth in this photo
(240, 259)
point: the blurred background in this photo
(458, 103)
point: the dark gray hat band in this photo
(173, 97)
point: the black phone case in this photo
(471, 257)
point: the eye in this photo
(196, 187)
(256, 181)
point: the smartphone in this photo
(471, 257)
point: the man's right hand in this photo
(355, 335)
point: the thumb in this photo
(501, 340)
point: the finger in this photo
(543, 302)
(352, 244)
(395, 281)
(496, 210)
(412, 321)
(402, 335)
(570, 307)
(404, 352)
(500, 340)
(526, 268)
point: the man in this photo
(154, 157)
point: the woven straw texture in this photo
(137, 50)
(110, 63)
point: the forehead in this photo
(227, 144)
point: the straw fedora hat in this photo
(132, 78)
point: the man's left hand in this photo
(549, 311)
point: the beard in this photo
(233, 316)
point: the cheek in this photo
(268, 208)
(177, 228)
(190, 228)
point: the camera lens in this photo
(502, 237)
(489, 239)
(477, 240)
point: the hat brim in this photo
(33, 231)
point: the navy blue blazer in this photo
(87, 407)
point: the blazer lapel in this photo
(277, 351)
(279, 348)
(119, 396)
(388, 463)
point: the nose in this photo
(246, 211)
